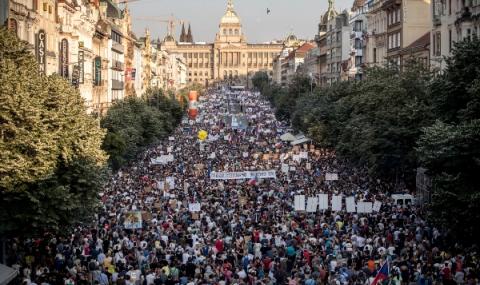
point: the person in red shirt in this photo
(219, 245)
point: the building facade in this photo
(376, 38)
(451, 21)
(407, 21)
(358, 30)
(229, 57)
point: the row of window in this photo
(206, 55)
(394, 40)
(199, 73)
(116, 37)
(231, 32)
(199, 65)
(393, 17)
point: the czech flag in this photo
(382, 274)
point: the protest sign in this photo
(133, 220)
(351, 207)
(303, 155)
(284, 168)
(376, 206)
(323, 201)
(312, 204)
(243, 175)
(331, 176)
(299, 203)
(171, 138)
(336, 203)
(194, 207)
(171, 182)
(364, 207)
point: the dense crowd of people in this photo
(247, 231)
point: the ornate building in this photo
(228, 57)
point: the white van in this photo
(403, 199)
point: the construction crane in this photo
(127, 1)
(171, 22)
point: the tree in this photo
(260, 80)
(136, 123)
(50, 148)
(449, 147)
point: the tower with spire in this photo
(330, 14)
(189, 37)
(183, 35)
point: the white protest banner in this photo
(376, 206)
(212, 155)
(299, 203)
(293, 168)
(296, 158)
(133, 220)
(169, 149)
(284, 168)
(171, 182)
(194, 207)
(245, 154)
(163, 159)
(312, 204)
(364, 207)
(323, 201)
(331, 176)
(308, 166)
(351, 207)
(304, 155)
(171, 138)
(336, 203)
(243, 175)
(160, 185)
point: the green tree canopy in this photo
(51, 162)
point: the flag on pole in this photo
(382, 273)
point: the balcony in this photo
(117, 47)
(117, 65)
(117, 84)
(18, 8)
(436, 20)
(390, 3)
(356, 35)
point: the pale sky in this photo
(299, 16)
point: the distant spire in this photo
(189, 34)
(230, 5)
(183, 35)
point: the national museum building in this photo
(229, 57)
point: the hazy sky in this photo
(299, 16)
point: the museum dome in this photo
(230, 16)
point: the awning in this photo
(300, 141)
(7, 274)
(287, 137)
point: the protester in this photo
(246, 231)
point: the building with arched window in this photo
(230, 56)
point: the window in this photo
(236, 32)
(437, 44)
(449, 40)
(449, 7)
(358, 60)
(374, 55)
(116, 37)
(358, 43)
(230, 32)
(225, 31)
